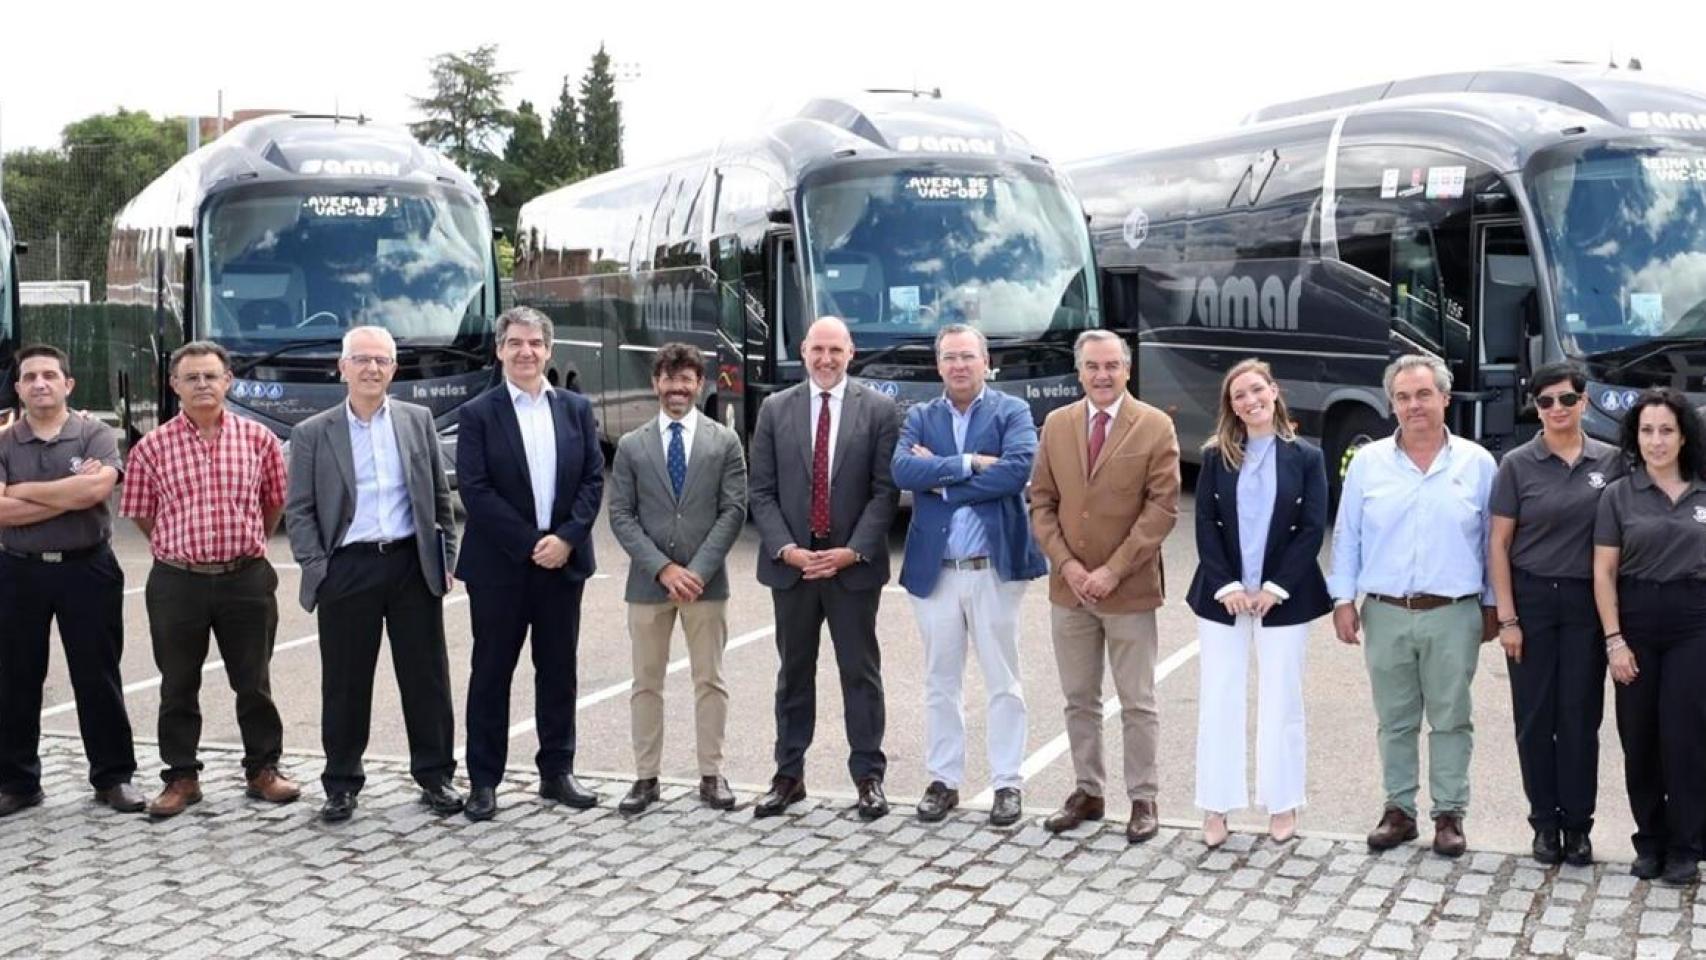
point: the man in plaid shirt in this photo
(208, 489)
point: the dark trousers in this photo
(502, 616)
(1661, 716)
(801, 611)
(240, 610)
(366, 594)
(1558, 698)
(86, 596)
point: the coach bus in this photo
(9, 316)
(1498, 220)
(899, 213)
(277, 238)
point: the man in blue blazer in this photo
(531, 475)
(966, 457)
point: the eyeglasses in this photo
(367, 359)
(1569, 400)
(199, 378)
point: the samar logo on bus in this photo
(1671, 120)
(924, 144)
(352, 168)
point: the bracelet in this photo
(1613, 635)
(1615, 646)
(1509, 623)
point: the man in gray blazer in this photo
(677, 502)
(823, 501)
(371, 525)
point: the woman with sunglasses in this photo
(1540, 556)
(1260, 518)
(1649, 582)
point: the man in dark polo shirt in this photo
(56, 472)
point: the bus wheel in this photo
(1350, 433)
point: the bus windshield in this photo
(901, 251)
(313, 262)
(1625, 229)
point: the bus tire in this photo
(1349, 432)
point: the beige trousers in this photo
(1083, 640)
(707, 631)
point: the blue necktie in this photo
(677, 459)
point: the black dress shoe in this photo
(1547, 848)
(567, 791)
(339, 806)
(1007, 809)
(641, 795)
(715, 793)
(1578, 849)
(784, 793)
(11, 803)
(872, 803)
(1680, 872)
(123, 797)
(937, 801)
(442, 798)
(482, 803)
(1647, 867)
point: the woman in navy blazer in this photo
(1261, 516)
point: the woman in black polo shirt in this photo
(1540, 554)
(1649, 582)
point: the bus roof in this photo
(1501, 117)
(286, 147)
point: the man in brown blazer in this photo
(1104, 495)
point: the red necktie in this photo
(820, 470)
(1098, 436)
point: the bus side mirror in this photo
(780, 215)
(184, 232)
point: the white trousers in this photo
(1281, 747)
(978, 605)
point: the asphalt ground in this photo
(1344, 772)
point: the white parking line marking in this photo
(1052, 750)
(617, 689)
(210, 666)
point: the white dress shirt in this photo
(539, 439)
(837, 394)
(382, 509)
(688, 424)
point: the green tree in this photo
(522, 161)
(465, 115)
(561, 161)
(63, 201)
(601, 118)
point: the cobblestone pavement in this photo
(235, 878)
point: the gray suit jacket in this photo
(321, 503)
(862, 496)
(655, 529)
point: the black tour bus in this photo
(1498, 220)
(897, 212)
(277, 238)
(9, 318)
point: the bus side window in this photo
(1415, 284)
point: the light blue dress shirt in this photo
(966, 536)
(1401, 531)
(1257, 487)
(382, 509)
(539, 439)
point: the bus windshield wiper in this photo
(290, 347)
(878, 356)
(1654, 349)
(405, 346)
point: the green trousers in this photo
(1421, 663)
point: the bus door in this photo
(1507, 313)
(785, 308)
(731, 373)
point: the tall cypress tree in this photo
(560, 161)
(601, 117)
(518, 182)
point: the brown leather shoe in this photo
(1395, 827)
(122, 797)
(1145, 822)
(1078, 808)
(273, 787)
(178, 796)
(1449, 840)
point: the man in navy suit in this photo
(966, 457)
(531, 475)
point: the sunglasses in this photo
(1567, 399)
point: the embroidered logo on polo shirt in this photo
(1700, 514)
(1596, 480)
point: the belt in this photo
(970, 563)
(208, 569)
(1420, 601)
(380, 547)
(57, 556)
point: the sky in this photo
(1076, 78)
